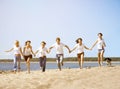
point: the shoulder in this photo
(83, 44)
(62, 44)
(76, 45)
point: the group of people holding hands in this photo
(27, 52)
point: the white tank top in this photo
(80, 48)
(27, 51)
(16, 50)
(100, 43)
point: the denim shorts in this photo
(100, 50)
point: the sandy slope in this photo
(94, 78)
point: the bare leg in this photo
(59, 66)
(28, 65)
(82, 60)
(19, 65)
(101, 56)
(79, 60)
(99, 59)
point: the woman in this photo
(27, 50)
(17, 55)
(101, 48)
(42, 55)
(80, 51)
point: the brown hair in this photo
(43, 42)
(58, 38)
(27, 41)
(100, 34)
(78, 39)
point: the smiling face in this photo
(17, 43)
(58, 40)
(27, 43)
(80, 41)
(43, 44)
(100, 35)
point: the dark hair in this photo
(43, 42)
(100, 34)
(58, 38)
(78, 39)
(27, 41)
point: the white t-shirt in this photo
(42, 51)
(100, 43)
(16, 50)
(79, 48)
(59, 48)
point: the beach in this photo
(86, 78)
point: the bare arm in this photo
(21, 52)
(68, 48)
(50, 49)
(86, 48)
(36, 52)
(94, 44)
(32, 51)
(47, 51)
(104, 44)
(73, 49)
(9, 50)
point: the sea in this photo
(52, 65)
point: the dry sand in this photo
(93, 78)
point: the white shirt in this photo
(16, 50)
(42, 51)
(27, 52)
(100, 43)
(79, 48)
(59, 48)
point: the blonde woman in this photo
(17, 55)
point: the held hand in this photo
(70, 51)
(34, 55)
(6, 51)
(49, 51)
(90, 49)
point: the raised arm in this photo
(9, 50)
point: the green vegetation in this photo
(65, 59)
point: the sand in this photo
(93, 78)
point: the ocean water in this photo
(51, 65)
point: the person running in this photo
(59, 51)
(101, 48)
(80, 51)
(17, 55)
(27, 51)
(42, 50)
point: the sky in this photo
(44, 20)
